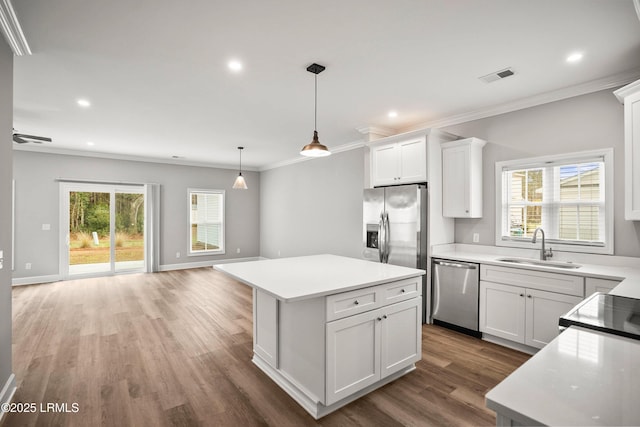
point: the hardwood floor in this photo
(175, 348)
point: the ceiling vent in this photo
(498, 75)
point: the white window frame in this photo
(221, 249)
(606, 154)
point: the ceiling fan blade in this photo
(33, 138)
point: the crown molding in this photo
(627, 90)
(376, 132)
(338, 149)
(12, 30)
(609, 82)
(132, 158)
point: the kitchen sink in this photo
(530, 261)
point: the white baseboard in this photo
(185, 265)
(7, 392)
(35, 280)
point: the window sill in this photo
(208, 253)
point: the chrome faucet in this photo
(544, 254)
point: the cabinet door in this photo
(632, 156)
(543, 310)
(385, 165)
(413, 161)
(401, 335)
(265, 327)
(502, 311)
(592, 284)
(455, 182)
(353, 355)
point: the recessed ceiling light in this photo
(84, 103)
(574, 57)
(235, 65)
(392, 114)
(90, 143)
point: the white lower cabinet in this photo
(329, 350)
(502, 311)
(526, 314)
(543, 310)
(365, 348)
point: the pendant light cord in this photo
(315, 110)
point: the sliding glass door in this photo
(103, 229)
(129, 230)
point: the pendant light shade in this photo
(315, 148)
(240, 183)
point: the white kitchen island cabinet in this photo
(330, 329)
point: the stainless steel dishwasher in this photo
(455, 295)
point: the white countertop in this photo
(625, 269)
(582, 377)
(291, 279)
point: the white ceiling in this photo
(156, 72)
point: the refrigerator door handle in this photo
(381, 237)
(387, 233)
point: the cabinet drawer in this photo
(545, 281)
(401, 290)
(353, 302)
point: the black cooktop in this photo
(607, 313)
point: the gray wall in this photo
(581, 123)
(37, 203)
(6, 122)
(313, 207)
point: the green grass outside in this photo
(131, 250)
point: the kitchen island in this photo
(330, 329)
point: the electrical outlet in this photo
(278, 253)
(1, 259)
(46, 227)
(177, 254)
(476, 237)
(238, 250)
(27, 266)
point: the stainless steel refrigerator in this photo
(395, 228)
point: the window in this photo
(206, 222)
(570, 197)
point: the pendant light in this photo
(240, 183)
(315, 149)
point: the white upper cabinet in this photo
(630, 96)
(403, 162)
(462, 178)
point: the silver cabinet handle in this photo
(454, 264)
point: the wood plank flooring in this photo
(175, 348)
